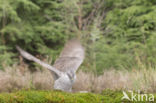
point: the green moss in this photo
(107, 96)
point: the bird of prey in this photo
(65, 67)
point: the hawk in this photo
(65, 67)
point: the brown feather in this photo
(71, 57)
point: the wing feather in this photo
(71, 57)
(30, 57)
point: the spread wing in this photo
(32, 58)
(71, 57)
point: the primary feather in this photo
(71, 57)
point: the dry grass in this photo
(14, 79)
(19, 77)
(144, 80)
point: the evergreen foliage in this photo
(117, 34)
(128, 35)
(40, 24)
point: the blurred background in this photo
(119, 37)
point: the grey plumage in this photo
(65, 67)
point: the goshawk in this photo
(65, 67)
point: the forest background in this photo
(117, 35)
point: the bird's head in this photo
(71, 75)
